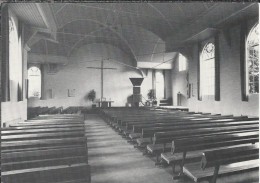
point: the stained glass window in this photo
(34, 77)
(253, 60)
(207, 69)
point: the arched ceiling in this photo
(141, 30)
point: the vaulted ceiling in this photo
(141, 30)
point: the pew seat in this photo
(127, 132)
(42, 154)
(20, 137)
(160, 138)
(191, 156)
(45, 150)
(12, 131)
(133, 136)
(170, 158)
(27, 145)
(193, 170)
(142, 142)
(224, 161)
(158, 148)
(44, 126)
(52, 174)
(35, 163)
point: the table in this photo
(105, 104)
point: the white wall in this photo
(75, 75)
(179, 84)
(13, 111)
(230, 84)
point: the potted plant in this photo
(151, 96)
(92, 96)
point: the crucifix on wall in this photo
(102, 68)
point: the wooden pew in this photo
(32, 112)
(56, 110)
(148, 133)
(52, 155)
(162, 140)
(214, 163)
(54, 149)
(127, 125)
(72, 110)
(32, 159)
(140, 117)
(34, 136)
(60, 116)
(13, 131)
(41, 144)
(168, 136)
(50, 122)
(53, 174)
(41, 130)
(120, 117)
(43, 110)
(137, 128)
(27, 155)
(21, 127)
(194, 146)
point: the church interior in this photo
(121, 92)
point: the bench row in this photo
(54, 150)
(157, 131)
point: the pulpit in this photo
(137, 97)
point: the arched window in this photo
(182, 62)
(207, 70)
(252, 60)
(34, 79)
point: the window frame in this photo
(40, 90)
(247, 82)
(202, 73)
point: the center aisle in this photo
(113, 160)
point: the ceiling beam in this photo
(36, 36)
(219, 14)
(48, 18)
(37, 33)
(124, 41)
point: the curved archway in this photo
(110, 29)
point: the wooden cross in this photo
(102, 75)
